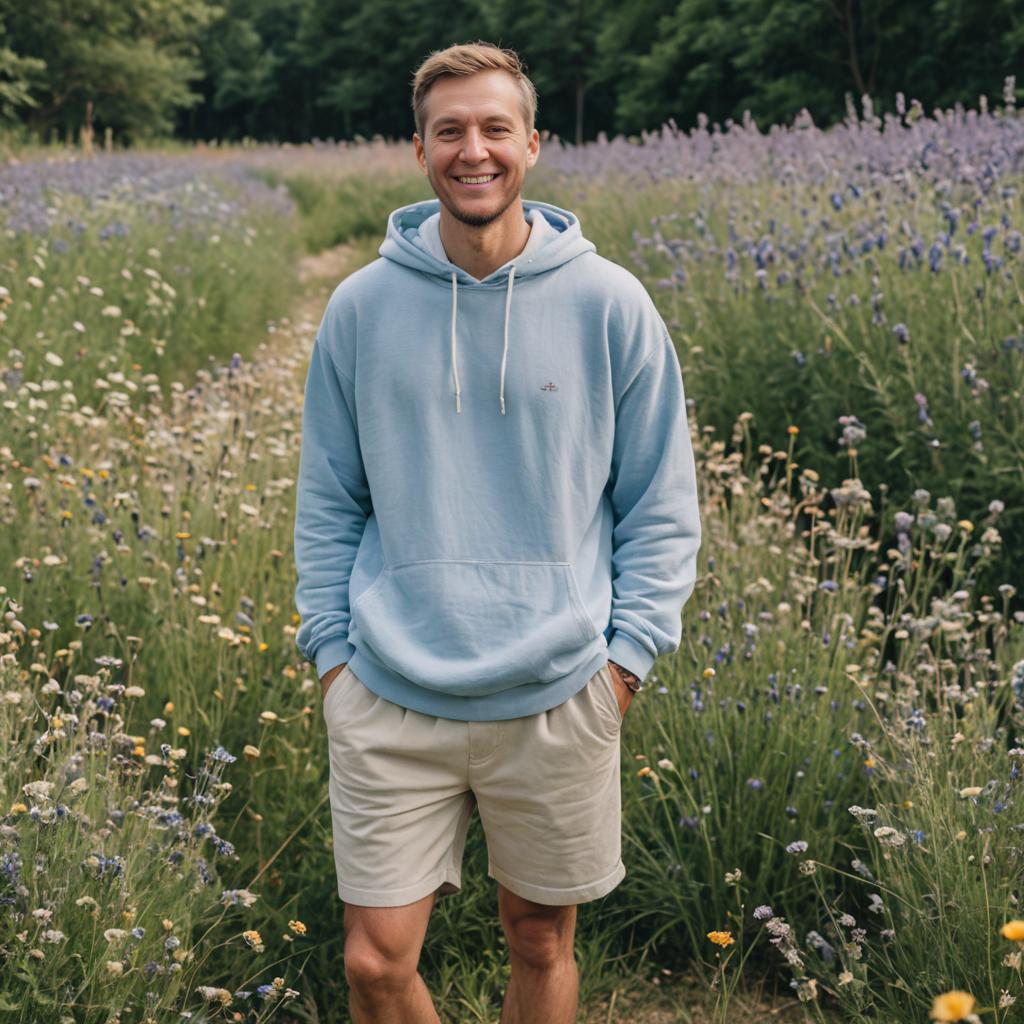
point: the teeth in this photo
(477, 181)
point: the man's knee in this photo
(537, 934)
(383, 945)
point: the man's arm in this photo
(653, 488)
(332, 506)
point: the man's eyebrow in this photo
(451, 119)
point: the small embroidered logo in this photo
(549, 386)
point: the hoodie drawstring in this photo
(455, 363)
(504, 353)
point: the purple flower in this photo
(902, 333)
(797, 846)
(763, 912)
(903, 522)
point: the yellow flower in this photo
(1013, 930)
(18, 808)
(263, 646)
(721, 938)
(298, 927)
(952, 1006)
(792, 430)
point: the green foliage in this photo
(290, 71)
(133, 62)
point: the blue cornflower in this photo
(797, 846)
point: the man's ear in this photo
(421, 155)
(533, 148)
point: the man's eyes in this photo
(494, 127)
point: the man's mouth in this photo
(475, 180)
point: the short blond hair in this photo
(467, 59)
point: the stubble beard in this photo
(475, 220)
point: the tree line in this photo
(293, 70)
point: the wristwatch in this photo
(629, 678)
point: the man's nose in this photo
(473, 149)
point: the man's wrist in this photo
(629, 678)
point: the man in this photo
(496, 530)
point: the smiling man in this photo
(496, 530)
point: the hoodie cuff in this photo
(331, 653)
(630, 655)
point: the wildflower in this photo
(298, 927)
(806, 989)
(721, 938)
(952, 1006)
(889, 836)
(1013, 930)
(969, 791)
(763, 912)
(238, 896)
(845, 977)
(215, 995)
(733, 877)
(253, 939)
(115, 967)
(798, 846)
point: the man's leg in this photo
(382, 954)
(544, 986)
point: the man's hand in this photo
(329, 676)
(623, 693)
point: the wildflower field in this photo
(822, 809)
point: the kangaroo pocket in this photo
(475, 627)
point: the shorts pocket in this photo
(338, 683)
(475, 627)
(609, 694)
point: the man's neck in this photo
(481, 250)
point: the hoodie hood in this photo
(555, 239)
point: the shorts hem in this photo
(399, 897)
(559, 897)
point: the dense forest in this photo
(293, 70)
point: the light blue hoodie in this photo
(496, 487)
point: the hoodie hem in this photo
(514, 702)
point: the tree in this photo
(133, 62)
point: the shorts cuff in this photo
(400, 897)
(559, 897)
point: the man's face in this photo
(474, 129)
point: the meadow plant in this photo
(109, 850)
(124, 274)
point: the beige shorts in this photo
(403, 786)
